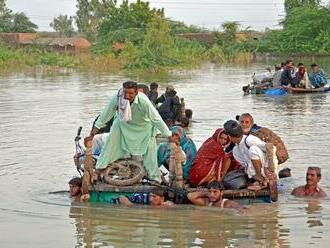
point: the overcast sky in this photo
(258, 14)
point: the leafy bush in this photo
(305, 30)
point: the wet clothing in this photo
(251, 148)
(135, 137)
(277, 79)
(170, 107)
(318, 79)
(207, 165)
(221, 205)
(136, 198)
(286, 77)
(153, 96)
(188, 147)
(98, 144)
(301, 79)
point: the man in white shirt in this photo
(252, 153)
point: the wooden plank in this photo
(241, 193)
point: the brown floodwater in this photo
(39, 117)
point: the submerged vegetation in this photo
(134, 36)
(13, 57)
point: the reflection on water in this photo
(179, 227)
(39, 119)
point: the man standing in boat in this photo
(133, 131)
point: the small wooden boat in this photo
(303, 90)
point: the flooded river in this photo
(39, 117)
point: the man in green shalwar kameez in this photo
(135, 136)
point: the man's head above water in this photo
(75, 186)
(313, 175)
(157, 197)
(215, 191)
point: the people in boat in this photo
(276, 82)
(133, 131)
(97, 148)
(286, 77)
(187, 146)
(75, 188)
(153, 93)
(247, 123)
(154, 198)
(213, 198)
(311, 188)
(263, 77)
(170, 107)
(262, 81)
(252, 153)
(317, 77)
(213, 159)
(301, 77)
(143, 88)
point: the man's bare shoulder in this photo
(322, 193)
(299, 191)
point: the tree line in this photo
(147, 39)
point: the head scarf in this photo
(209, 159)
(187, 145)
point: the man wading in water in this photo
(311, 188)
(75, 188)
(213, 198)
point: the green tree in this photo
(22, 24)
(5, 17)
(90, 14)
(14, 22)
(125, 23)
(291, 4)
(156, 50)
(128, 16)
(64, 25)
(230, 29)
(178, 27)
(305, 30)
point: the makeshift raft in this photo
(107, 193)
(102, 192)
